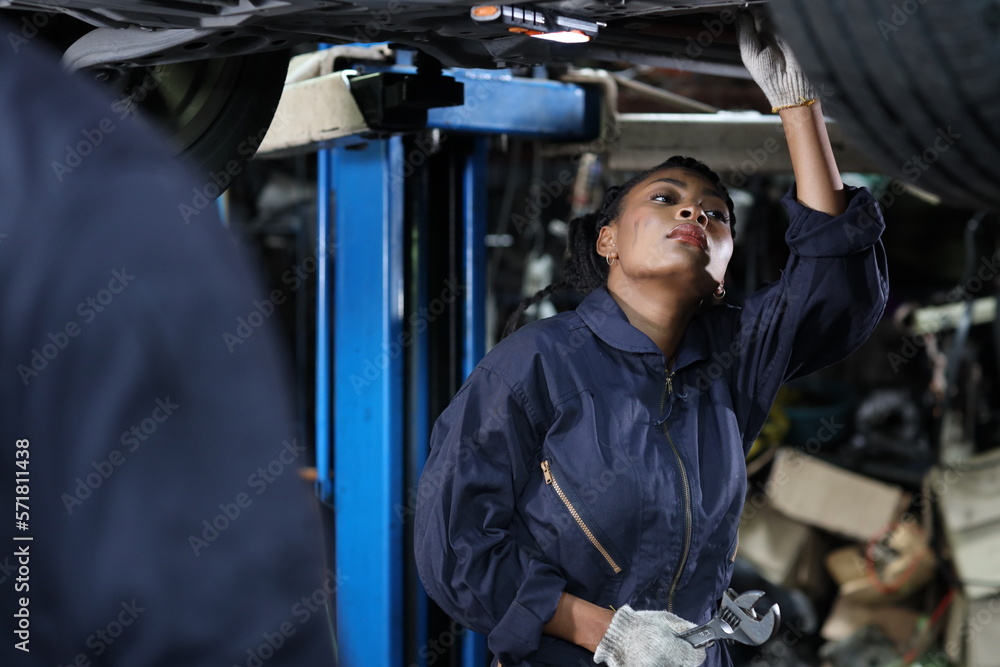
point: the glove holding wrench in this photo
(647, 639)
(662, 639)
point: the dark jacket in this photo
(570, 459)
(148, 445)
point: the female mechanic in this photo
(583, 491)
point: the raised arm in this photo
(775, 69)
(834, 287)
(817, 179)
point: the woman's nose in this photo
(694, 213)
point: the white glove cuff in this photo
(614, 640)
(790, 89)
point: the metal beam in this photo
(318, 112)
(498, 103)
(739, 144)
(368, 413)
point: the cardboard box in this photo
(772, 542)
(902, 564)
(969, 498)
(822, 495)
(845, 618)
(810, 575)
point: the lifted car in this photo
(913, 82)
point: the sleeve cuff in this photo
(813, 233)
(519, 631)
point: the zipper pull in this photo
(546, 472)
(670, 382)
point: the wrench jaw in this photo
(744, 601)
(756, 629)
(737, 621)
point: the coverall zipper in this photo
(551, 480)
(668, 388)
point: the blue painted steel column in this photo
(474, 211)
(368, 399)
(321, 419)
(324, 486)
(418, 417)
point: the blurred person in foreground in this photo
(157, 470)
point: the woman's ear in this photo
(606, 246)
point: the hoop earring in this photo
(611, 260)
(720, 293)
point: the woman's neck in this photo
(658, 314)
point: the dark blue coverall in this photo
(572, 460)
(169, 525)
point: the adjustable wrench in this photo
(736, 621)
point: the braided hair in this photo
(583, 269)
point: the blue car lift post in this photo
(374, 373)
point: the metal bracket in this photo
(398, 102)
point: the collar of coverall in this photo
(602, 314)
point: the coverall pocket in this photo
(581, 516)
(582, 505)
(725, 568)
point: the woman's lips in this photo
(688, 233)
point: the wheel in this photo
(912, 82)
(215, 112)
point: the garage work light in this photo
(537, 24)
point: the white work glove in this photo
(647, 639)
(771, 62)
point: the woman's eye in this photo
(665, 197)
(718, 215)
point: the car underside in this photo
(141, 33)
(897, 76)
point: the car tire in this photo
(912, 82)
(214, 111)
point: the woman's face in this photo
(673, 226)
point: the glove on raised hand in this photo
(771, 62)
(647, 639)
